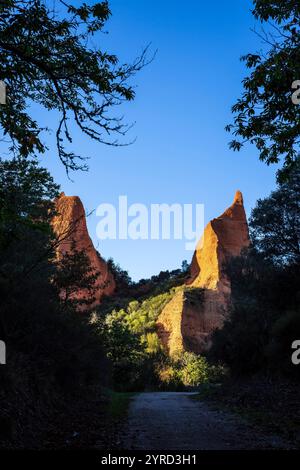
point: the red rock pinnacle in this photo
(70, 227)
(184, 325)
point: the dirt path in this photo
(174, 421)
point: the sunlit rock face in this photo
(186, 323)
(70, 227)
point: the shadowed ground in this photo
(176, 421)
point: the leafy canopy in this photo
(50, 56)
(275, 222)
(265, 115)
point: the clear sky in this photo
(182, 106)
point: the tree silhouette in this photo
(47, 57)
(265, 114)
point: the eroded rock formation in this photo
(70, 228)
(199, 307)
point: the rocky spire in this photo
(70, 227)
(224, 237)
(187, 324)
(238, 198)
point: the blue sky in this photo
(182, 106)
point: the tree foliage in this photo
(74, 274)
(275, 222)
(50, 56)
(265, 114)
(52, 353)
(26, 209)
(121, 277)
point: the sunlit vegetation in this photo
(137, 355)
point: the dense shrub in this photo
(188, 370)
(131, 342)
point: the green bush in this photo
(194, 370)
(131, 342)
(186, 370)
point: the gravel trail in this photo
(175, 421)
